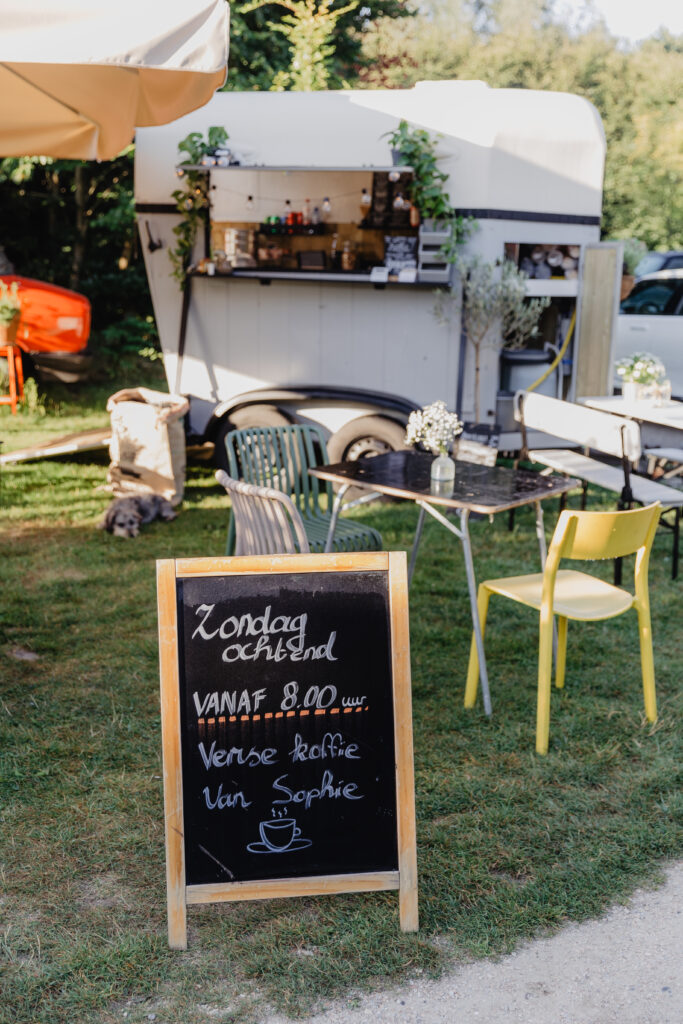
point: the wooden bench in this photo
(601, 434)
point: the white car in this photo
(651, 320)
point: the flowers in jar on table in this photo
(641, 368)
(434, 427)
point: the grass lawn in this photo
(509, 844)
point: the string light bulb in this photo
(399, 202)
(250, 202)
(394, 176)
(326, 206)
(180, 172)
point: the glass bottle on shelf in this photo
(348, 256)
(333, 251)
(307, 211)
(287, 213)
(315, 216)
(365, 204)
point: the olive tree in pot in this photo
(491, 298)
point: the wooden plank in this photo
(170, 740)
(349, 560)
(403, 725)
(593, 351)
(282, 888)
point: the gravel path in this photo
(625, 968)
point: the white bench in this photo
(602, 433)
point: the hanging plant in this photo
(192, 199)
(414, 147)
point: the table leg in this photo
(416, 544)
(464, 536)
(336, 505)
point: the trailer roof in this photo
(504, 149)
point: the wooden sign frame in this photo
(179, 894)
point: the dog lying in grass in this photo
(125, 516)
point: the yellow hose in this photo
(558, 357)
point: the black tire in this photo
(240, 419)
(365, 437)
(362, 439)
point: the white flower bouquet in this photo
(434, 427)
(641, 368)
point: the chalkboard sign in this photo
(400, 251)
(286, 729)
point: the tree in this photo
(309, 28)
(72, 223)
(635, 91)
(494, 310)
(258, 53)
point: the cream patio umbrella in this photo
(78, 76)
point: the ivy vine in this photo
(192, 199)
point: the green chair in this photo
(280, 457)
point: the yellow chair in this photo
(570, 594)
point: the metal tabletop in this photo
(485, 489)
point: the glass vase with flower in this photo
(435, 428)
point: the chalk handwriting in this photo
(228, 702)
(225, 801)
(331, 745)
(328, 789)
(280, 638)
(222, 757)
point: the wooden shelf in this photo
(262, 274)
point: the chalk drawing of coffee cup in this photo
(279, 835)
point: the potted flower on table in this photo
(435, 428)
(643, 377)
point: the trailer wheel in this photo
(365, 437)
(240, 419)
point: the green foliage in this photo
(192, 200)
(417, 149)
(494, 308)
(309, 28)
(634, 89)
(259, 52)
(33, 399)
(124, 344)
(72, 223)
(10, 306)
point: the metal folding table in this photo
(476, 488)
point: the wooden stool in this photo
(15, 370)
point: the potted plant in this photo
(10, 310)
(494, 309)
(642, 374)
(415, 148)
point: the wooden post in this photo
(403, 725)
(170, 739)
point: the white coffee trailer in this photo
(280, 328)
